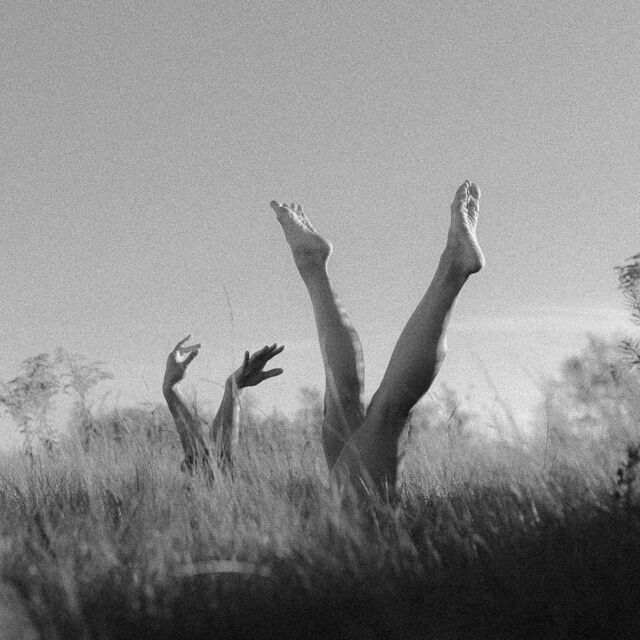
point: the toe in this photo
(282, 211)
(462, 194)
(305, 220)
(473, 204)
(463, 188)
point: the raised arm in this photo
(225, 428)
(196, 452)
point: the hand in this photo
(178, 361)
(251, 372)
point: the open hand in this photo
(251, 372)
(178, 361)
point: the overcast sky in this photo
(142, 142)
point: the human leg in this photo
(339, 341)
(375, 452)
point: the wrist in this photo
(168, 389)
(232, 383)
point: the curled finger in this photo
(191, 356)
(181, 342)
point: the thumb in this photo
(271, 373)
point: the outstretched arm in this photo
(195, 449)
(225, 428)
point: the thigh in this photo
(343, 416)
(373, 457)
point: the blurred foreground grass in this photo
(490, 540)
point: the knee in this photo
(345, 404)
(391, 406)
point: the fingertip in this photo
(181, 342)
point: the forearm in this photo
(195, 449)
(225, 428)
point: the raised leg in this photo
(375, 453)
(339, 341)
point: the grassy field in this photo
(490, 540)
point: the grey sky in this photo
(142, 143)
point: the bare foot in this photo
(310, 250)
(462, 243)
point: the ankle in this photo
(311, 269)
(451, 266)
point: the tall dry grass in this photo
(115, 542)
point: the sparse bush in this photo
(30, 396)
(80, 377)
(593, 409)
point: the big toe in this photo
(462, 194)
(281, 209)
(474, 191)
